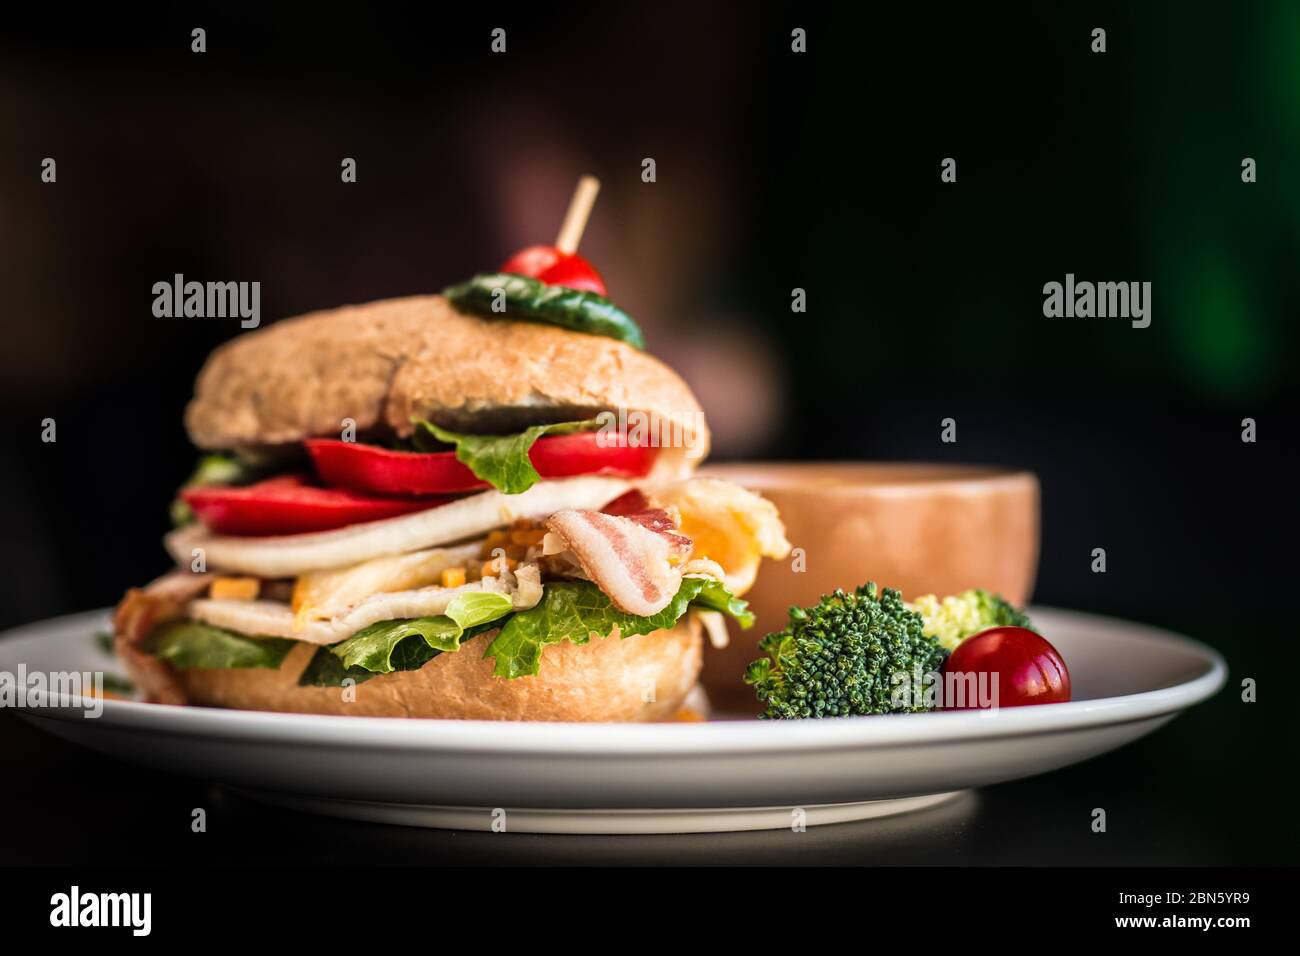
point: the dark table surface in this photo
(1208, 789)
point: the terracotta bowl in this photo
(920, 528)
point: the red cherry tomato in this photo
(367, 468)
(575, 272)
(554, 267)
(532, 261)
(288, 505)
(1028, 668)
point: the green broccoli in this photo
(846, 656)
(952, 619)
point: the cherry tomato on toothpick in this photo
(555, 267)
(1029, 670)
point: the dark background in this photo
(775, 170)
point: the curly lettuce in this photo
(406, 644)
(578, 610)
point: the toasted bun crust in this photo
(605, 679)
(382, 363)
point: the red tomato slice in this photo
(591, 453)
(556, 268)
(1029, 669)
(628, 503)
(374, 470)
(288, 505)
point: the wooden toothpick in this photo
(575, 220)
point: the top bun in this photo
(384, 363)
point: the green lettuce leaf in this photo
(388, 646)
(193, 644)
(714, 596)
(326, 670)
(118, 685)
(577, 610)
(478, 607)
(502, 460)
(372, 647)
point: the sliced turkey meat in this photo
(320, 595)
(275, 619)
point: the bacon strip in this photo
(137, 615)
(635, 559)
(635, 506)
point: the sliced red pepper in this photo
(375, 470)
(289, 505)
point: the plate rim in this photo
(630, 740)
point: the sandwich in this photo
(475, 505)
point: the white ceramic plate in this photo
(637, 778)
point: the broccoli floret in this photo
(952, 619)
(840, 658)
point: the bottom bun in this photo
(607, 679)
